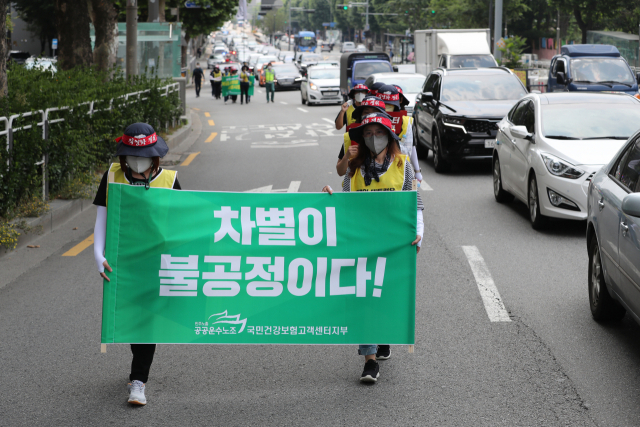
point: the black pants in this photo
(198, 83)
(244, 91)
(216, 89)
(141, 363)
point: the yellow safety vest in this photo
(218, 74)
(269, 76)
(244, 77)
(406, 122)
(350, 118)
(391, 180)
(165, 179)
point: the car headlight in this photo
(453, 120)
(560, 168)
(313, 86)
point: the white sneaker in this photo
(136, 393)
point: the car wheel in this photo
(603, 307)
(538, 221)
(499, 193)
(439, 163)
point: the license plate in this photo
(286, 82)
(489, 143)
(330, 93)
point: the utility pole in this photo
(497, 30)
(154, 11)
(132, 38)
(558, 33)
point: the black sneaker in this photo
(371, 372)
(384, 352)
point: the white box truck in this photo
(452, 49)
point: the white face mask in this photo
(376, 143)
(139, 164)
(359, 96)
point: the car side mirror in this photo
(521, 132)
(561, 78)
(638, 77)
(631, 205)
(395, 68)
(427, 97)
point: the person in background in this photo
(269, 81)
(199, 52)
(245, 75)
(356, 95)
(139, 150)
(379, 166)
(233, 71)
(216, 82)
(198, 76)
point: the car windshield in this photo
(472, 61)
(590, 121)
(365, 69)
(408, 84)
(309, 58)
(595, 70)
(286, 69)
(482, 88)
(329, 73)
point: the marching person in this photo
(233, 71)
(245, 75)
(369, 105)
(139, 151)
(392, 97)
(373, 90)
(356, 95)
(216, 82)
(379, 166)
(198, 76)
(269, 81)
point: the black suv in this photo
(456, 113)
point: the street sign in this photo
(501, 43)
(366, 27)
(191, 5)
(54, 44)
(329, 24)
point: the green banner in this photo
(259, 268)
(231, 85)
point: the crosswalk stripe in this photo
(79, 247)
(211, 137)
(189, 159)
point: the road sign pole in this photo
(132, 38)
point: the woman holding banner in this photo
(139, 151)
(379, 166)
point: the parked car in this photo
(321, 86)
(613, 235)
(550, 146)
(457, 111)
(287, 76)
(42, 64)
(18, 56)
(411, 84)
(348, 47)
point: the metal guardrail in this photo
(46, 121)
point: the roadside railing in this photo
(45, 121)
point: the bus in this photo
(305, 41)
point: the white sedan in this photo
(550, 145)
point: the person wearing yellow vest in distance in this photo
(245, 75)
(269, 81)
(392, 97)
(356, 95)
(379, 166)
(369, 105)
(139, 151)
(216, 82)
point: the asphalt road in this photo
(551, 365)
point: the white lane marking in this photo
(328, 120)
(490, 296)
(424, 186)
(293, 187)
(303, 110)
(285, 103)
(306, 144)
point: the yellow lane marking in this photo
(79, 247)
(211, 137)
(211, 123)
(197, 109)
(207, 115)
(189, 159)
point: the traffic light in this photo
(345, 7)
(433, 12)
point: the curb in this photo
(180, 135)
(61, 211)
